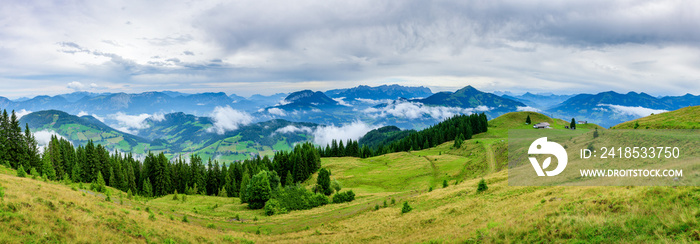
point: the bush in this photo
(298, 198)
(34, 173)
(175, 196)
(273, 207)
(211, 226)
(393, 201)
(336, 185)
(184, 219)
(152, 217)
(444, 183)
(482, 186)
(406, 208)
(21, 172)
(342, 197)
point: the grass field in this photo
(37, 211)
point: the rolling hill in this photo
(176, 133)
(611, 108)
(81, 129)
(684, 118)
(454, 213)
(470, 97)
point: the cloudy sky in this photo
(248, 47)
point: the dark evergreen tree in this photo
(323, 182)
(527, 120)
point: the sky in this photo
(266, 47)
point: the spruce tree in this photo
(527, 120)
(482, 186)
(244, 185)
(21, 172)
(147, 188)
(289, 179)
(573, 124)
(101, 186)
(47, 169)
(323, 182)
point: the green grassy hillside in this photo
(685, 118)
(454, 214)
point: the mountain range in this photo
(235, 127)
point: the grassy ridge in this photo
(456, 213)
(685, 118)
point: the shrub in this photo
(444, 183)
(211, 226)
(34, 173)
(175, 196)
(152, 217)
(129, 195)
(184, 219)
(342, 197)
(376, 206)
(385, 205)
(21, 172)
(430, 188)
(482, 186)
(595, 133)
(393, 201)
(298, 198)
(273, 207)
(406, 208)
(336, 185)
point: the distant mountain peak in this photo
(309, 97)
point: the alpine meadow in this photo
(349, 122)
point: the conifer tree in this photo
(100, 184)
(21, 172)
(323, 182)
(47, 169)
(244, 185)
(289, 179)
(527, 120)
(147, 188)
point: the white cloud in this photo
(43, 137)
(82, 113)
(228, 119)
(130, 123)
(100, 118)
(633, 111)
(75, 85)
(528, 108)
(416, 110)
(323, 135)
(372, 101)
(21, 113)
(293, 129)
(158, 117)
(341, 101)
(277, 111)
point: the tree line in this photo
(155, 175)
(459, 126)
